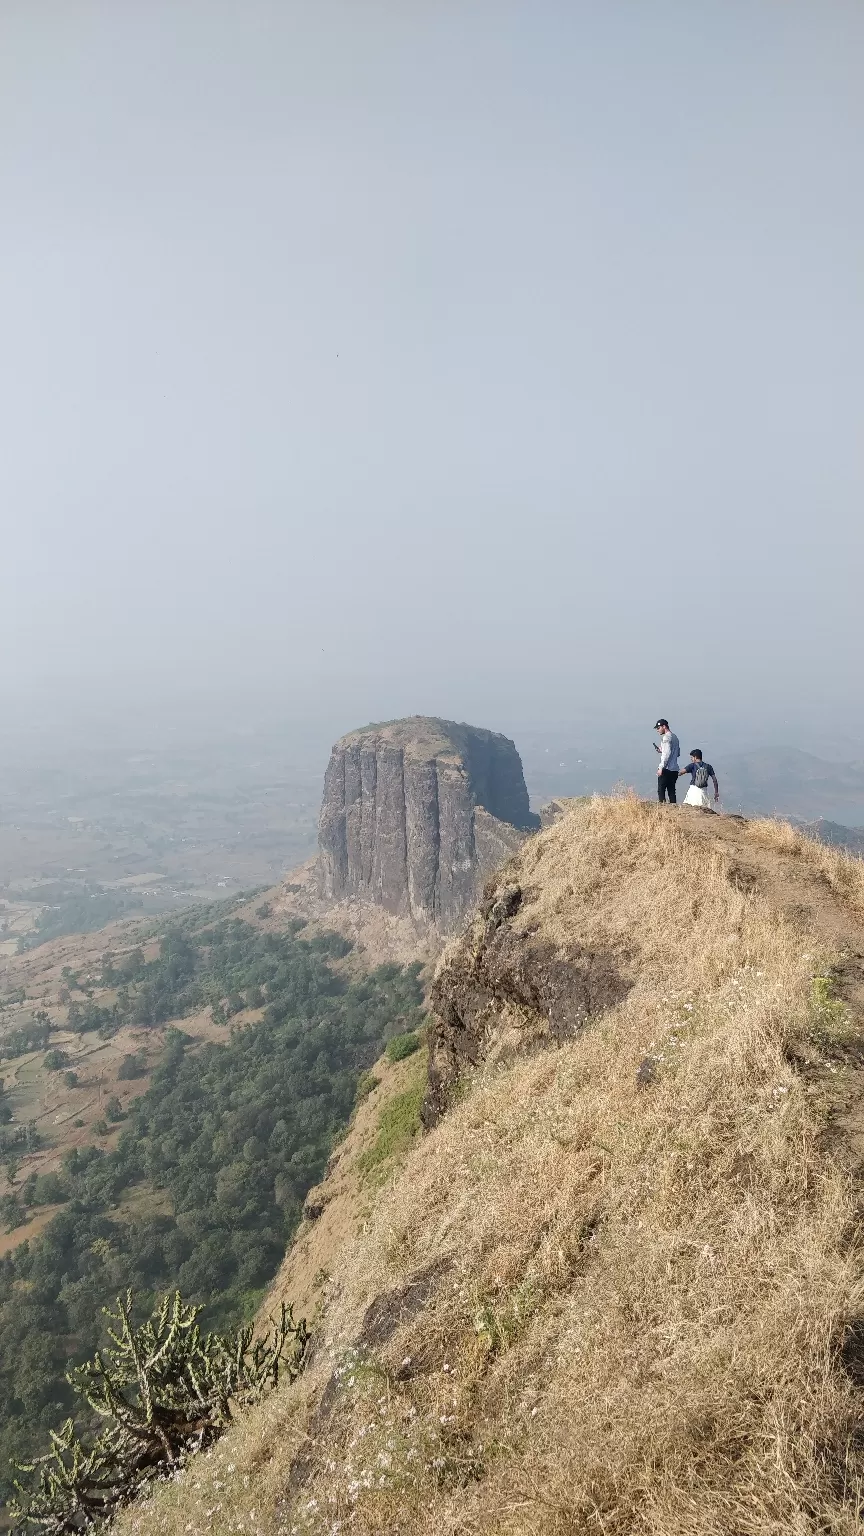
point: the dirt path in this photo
(801, 892)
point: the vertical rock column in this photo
(389, 852)
(457, 863)
(423, 839)
(332, 843)
(397, 823)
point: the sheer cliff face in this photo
(416, 813)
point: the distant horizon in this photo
(142, 709)
(587, 752)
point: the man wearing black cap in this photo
(667, 773)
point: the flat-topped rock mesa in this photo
(417, 813)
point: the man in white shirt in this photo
(667, 773)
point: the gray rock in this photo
(503, 979)
(417, 813)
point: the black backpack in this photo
(700, 777)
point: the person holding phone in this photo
(667, 773)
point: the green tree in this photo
(50, 1189)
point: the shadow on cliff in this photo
(548, 993)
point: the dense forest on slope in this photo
(206, 1183)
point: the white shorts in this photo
(697, 796)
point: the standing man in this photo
(667, 773)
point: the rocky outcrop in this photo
(504, 988)
(417, 813)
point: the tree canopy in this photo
(207, 1182)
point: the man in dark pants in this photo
(667, 773)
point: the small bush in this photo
(367, 1082)
(130, 1067)
(829, 1016)
(499, 1322)
(167, 1391)
(55, 1060)
(70, 1079)
(403, 1045)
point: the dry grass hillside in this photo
(618, 1287)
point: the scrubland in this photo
(618, 1288)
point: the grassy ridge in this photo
(618, 1287)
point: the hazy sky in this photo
(480, 358)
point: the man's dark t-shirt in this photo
(691, 769)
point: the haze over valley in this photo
(90, 831)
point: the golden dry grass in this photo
(637, 1295)
(842, 872)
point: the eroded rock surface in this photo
(501, 989)
(417, 813)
